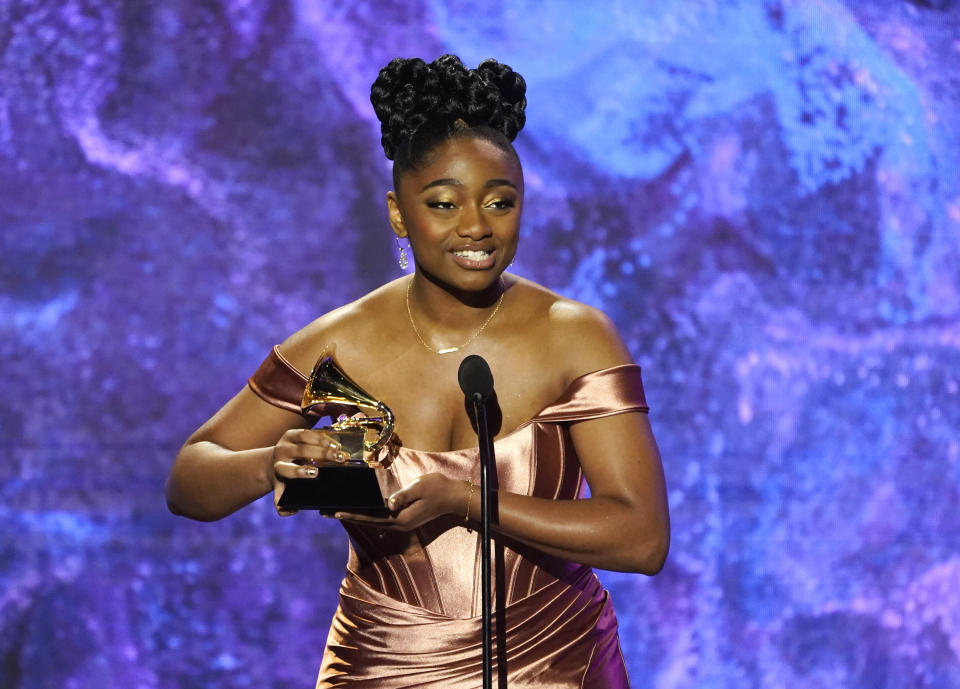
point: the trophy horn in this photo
(328, 384)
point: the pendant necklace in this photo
(449, 350)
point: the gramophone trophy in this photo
(361, 482)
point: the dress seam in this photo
(586, 669)
(429, 565)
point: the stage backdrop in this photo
(763, 195)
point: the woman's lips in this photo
(474, 259)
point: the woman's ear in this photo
(396, 217)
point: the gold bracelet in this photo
(466, 517)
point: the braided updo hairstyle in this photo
(419, 105)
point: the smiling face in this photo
(461, 212)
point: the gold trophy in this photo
(359, 483)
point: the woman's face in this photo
(461, 212)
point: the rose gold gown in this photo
(409, 613)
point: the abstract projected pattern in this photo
(764, 196)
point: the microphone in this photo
(475, 378)
(476, 381)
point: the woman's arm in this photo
(249, 447)
(228, 462)
(624, 525)
(246, 450)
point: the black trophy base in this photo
(337, 488)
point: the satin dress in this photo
(409, 612)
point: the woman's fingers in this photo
(365, 518)
(288, 470)
(278, 488)
(307, 444)
(423, 500)
(404, 521)
(294, 458)
(405, 496)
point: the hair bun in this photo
(513, 94)
(409, 94)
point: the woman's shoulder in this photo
(580, 336)
(355, 322)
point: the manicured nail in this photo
(309, 472)
(333, 445)
(342, 456)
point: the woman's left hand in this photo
(426, 498)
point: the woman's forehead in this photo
(468, 159)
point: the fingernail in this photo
(392, 503)
(308, 471)
(342, 456)
(333, 445)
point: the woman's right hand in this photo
(297, 454)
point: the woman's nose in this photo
(473, 224)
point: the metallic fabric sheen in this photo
(410, 601)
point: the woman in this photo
(569, 394)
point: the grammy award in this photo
(361, 482)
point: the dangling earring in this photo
(403, 255)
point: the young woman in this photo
(572, 414)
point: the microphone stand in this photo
(486, 461)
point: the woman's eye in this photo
(501, 204)
(443, 205)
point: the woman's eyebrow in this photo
(443, 182)
(499, 183)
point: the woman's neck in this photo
(434, 303)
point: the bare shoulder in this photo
(579, 336)
(346, 328)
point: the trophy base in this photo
(353, 487)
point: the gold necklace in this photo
(449, 350)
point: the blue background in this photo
(764, 196)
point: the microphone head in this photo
(475, 377)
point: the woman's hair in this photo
(419, 105)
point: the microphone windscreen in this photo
(475, 377)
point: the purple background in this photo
(764, 195)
